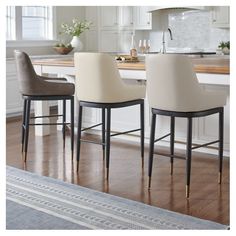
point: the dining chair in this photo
(173, 90)
(99, 85)
(34, 87)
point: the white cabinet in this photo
(208, 126)
(108, 41)
(91, 35)
(113, 25)
(91, 14)
(124, 41)
(109, 17)
(91, 40)
(142, 18)
(13, 96)
(220, 17)
(126, 17)
(113, 41)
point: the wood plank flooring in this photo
(208, 200)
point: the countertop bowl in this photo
(63, 50)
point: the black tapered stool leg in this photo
(142, 131)
(64, 121)
(27, 119)
(23, 126)
(151, 148)
(72, 126)
(108, 128)
(172, 142)
(188, 155)
(221, 143)
(79, 135)
(103, 131)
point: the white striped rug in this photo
(37, 202)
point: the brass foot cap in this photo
(187, 191)
(219, 177)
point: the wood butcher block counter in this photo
(215, 65)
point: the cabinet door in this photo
(208, 126)
(91, 14)
(142, 18)
(109, 18)
(124, 42)
(92, 40)
(13, 96)
(126, 17)
(109, 41)
(220, 17)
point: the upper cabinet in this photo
(220, 16)
(109, 17)
(113, 27)
(142, 18)
(91, 14)
(125, 17)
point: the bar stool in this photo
(98, 85)
(173, 90)
(39, 88)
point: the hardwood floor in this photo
(208, 200)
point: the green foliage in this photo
(62, 45)
(224, 45)
(77, 27)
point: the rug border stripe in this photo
(84, 207)
(52, 213)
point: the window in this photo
(10, 21)
(29, 23)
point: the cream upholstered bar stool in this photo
(39, 88)
(173, 90)
(98, 85)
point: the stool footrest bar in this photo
(205, 144)
(50, 124)
(159, 139)
(94, 142)
(35, 117)
(90, 127)
(126, 132)
(169, 155)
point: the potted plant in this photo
(75, 30)
(225, 47)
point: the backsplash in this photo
(190, 29)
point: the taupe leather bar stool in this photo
(38, 88)
(98, 85)
(173, 90)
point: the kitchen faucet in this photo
(163, 40)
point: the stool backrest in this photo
(97, 77)
(25, 72)
(171, 82)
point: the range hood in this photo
(173, 8)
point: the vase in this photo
(225, 50)
(76, 44)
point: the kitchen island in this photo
(212, 72)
